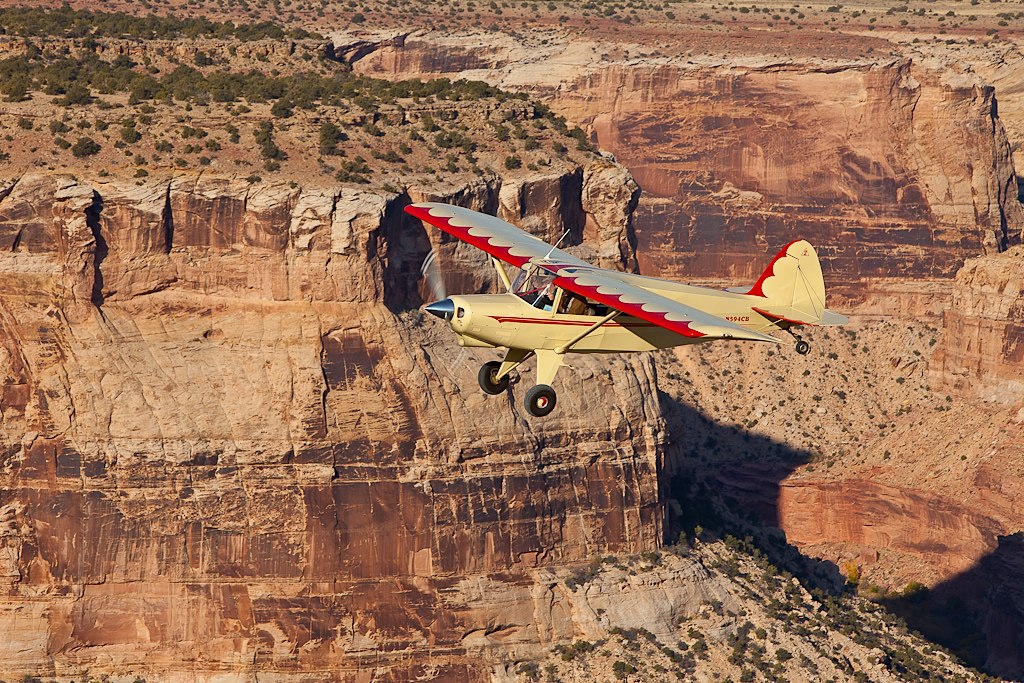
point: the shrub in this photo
(264, 135)
(622, 669)
(583, 575)
(282, 109)
(129, 134)
(513, 162)
(330, 136)
(85, 147)
(76, 94)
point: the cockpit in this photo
(537, 287)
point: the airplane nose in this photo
(445, 309)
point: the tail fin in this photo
(793, 289)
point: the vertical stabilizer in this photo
(792, 286)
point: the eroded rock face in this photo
(898, 171)
(981, 353)
(231, 444)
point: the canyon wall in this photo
(231, 444)
(981, 354)
(896, 170)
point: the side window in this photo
(574, 304)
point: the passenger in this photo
(576, 306)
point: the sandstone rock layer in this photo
(231, 444)
(898, 171)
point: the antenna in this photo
(548, 255)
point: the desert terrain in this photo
(233, 447)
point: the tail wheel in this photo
(540, 400)
(488, 378)
(802, 347)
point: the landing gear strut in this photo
(802, 347)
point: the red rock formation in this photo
(981, 353)
(861, 515)
(223, 452)
(900, 171)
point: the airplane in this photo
(559, 304)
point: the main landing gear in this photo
(495, 377)
(488, 378)
(540, 400)
(802, 347)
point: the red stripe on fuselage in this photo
(578, 323)
(784, 319)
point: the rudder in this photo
(793, 287)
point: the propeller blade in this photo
(432, 276)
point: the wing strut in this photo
(502, 275)
(578, 338)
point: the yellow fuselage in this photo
(506, 320)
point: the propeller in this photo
(431, 273)
(441, 305)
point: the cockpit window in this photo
(574, 304)
(535, 287)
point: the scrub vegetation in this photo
(107, 89)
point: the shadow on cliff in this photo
(724, 480)
(979, 614)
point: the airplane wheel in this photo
(802, 347)
(488, 378)
(540, 400)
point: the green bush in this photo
(622, 669)
(76, 93)
(70, 23)
(269, 150)
(85, 147)
(330, 136)
(129, 134)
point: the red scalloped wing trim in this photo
(635, 310)
(462, 233)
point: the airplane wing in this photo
(601, 286)
(489, 233)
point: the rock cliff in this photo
(982, 350)
(900, 169)
(230, 444)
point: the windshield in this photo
(534, 286)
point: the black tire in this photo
(540, 400)
(486, 376)
(803, 347)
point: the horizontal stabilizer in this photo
(796, 316)
(831, 318)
